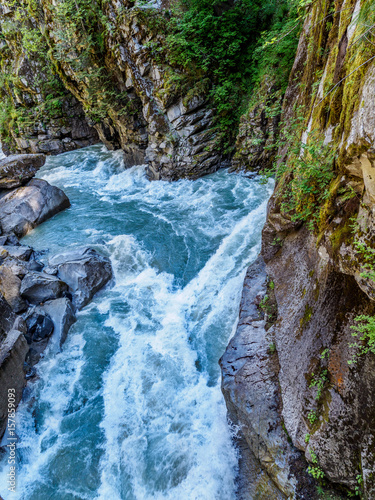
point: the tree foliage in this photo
(236, 43)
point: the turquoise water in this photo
(132, 407)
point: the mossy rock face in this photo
(258, 131)
(38, 114)
(323, 278)
(310, 323)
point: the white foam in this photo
(164, 434)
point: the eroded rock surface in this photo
(62, 313)
(16, 170)
(271, 467)
(26, 207)
(39, 287)
(84, 270)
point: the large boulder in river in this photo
(47, 325)
(39, 287)
(62, 313)
(26, 207)
(84, 270)
(16, 170)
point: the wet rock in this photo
(33, 357)
(18, 252)
(26, 207)
(9, 239)
(62, 313)
(30, 371)
(39, 287)
(34, 265)
(16, 170)
(50, 270)
(251, 392)
(84, 270)
(39, 327)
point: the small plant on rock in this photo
(365, 330)
(315, 470)
(312, 416)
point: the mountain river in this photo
(132, 407)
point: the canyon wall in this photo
(68, 89)
(318, 250)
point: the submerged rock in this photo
(16, 170)
(26, 207)
(39, 287)
(84, 270)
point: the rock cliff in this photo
(126, 91)
(318, 250)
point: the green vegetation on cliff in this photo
(223, 50)
(236, 45)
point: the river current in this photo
(132, 407)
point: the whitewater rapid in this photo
(132, 407)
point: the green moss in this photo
(289, 439)
(343, 234)
(306, 316)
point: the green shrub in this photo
(365, 330)
(236, 46)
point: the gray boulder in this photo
(84, 270)
(9, 239)
(39, 327)
(26, 207)
(19, 252)
(16, 170)
(62, 313)
(39, 287)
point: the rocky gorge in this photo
(298, 374)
